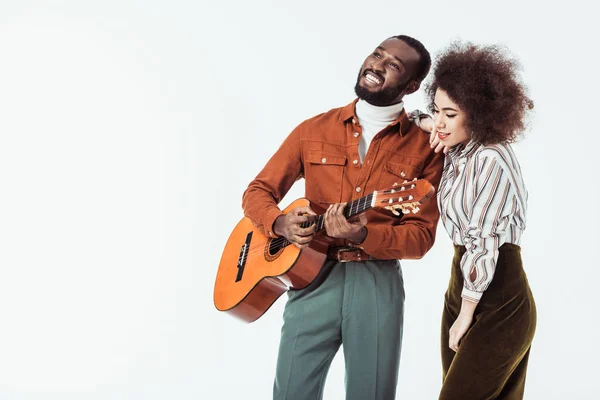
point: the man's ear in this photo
(413, 87)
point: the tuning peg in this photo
(410, 197)
(395, 183)
(414, 179)
(412, 186)
(405, 211)
(392, 209)
(402, 188)
(405, 181)
(415, 210)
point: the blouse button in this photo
(355, 162)
(356, 134)
(358, 189)
(323, 160)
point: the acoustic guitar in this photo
(255, 269)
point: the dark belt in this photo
(345, 254)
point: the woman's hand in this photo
(462, 324)
(427, 125)
(436, 143)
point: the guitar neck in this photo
(353, 208)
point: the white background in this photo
(129, 130)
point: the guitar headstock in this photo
(405, 197)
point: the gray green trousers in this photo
(359, 305)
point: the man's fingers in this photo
(302, 239)
(338, 216)
(304, 231)
(303, 210)
(362, 219)
(296, 219)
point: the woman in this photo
(489, 317)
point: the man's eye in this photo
(396, 66)
(377, 55)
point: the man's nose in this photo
(377, 66)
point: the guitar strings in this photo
(280, 243)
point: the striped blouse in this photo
(482, 202)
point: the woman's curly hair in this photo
(483, 81)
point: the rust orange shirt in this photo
(324, 151)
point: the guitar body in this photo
(255, 270)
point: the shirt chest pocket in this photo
(396, 173)
(324, 174)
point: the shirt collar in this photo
(461, 150)
(348, 112)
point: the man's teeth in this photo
(373, 79)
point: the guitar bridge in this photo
(241, 264)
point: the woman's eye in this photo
(450, 116)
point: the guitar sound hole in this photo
(274, 248)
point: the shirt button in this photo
(355, 162)
(323, 160)
(356, 134)
(358, 189)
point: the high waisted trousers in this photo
(359, 305)
(491, 362)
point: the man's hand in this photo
(337, 226)
(288, 226)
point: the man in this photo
(344, 154)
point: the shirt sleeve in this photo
(416, 116)
(493, 200)
(415, 234)
(260, 199)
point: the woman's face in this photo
(449, 121)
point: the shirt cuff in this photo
(372, 241)
(269, 221)
(416, 116)
(471, 295)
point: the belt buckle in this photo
(340, 250)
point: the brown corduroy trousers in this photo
(491, 362)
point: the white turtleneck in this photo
(373, 119)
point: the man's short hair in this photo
(424, 56)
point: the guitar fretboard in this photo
(353, 208)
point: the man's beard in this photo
(381, 98)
